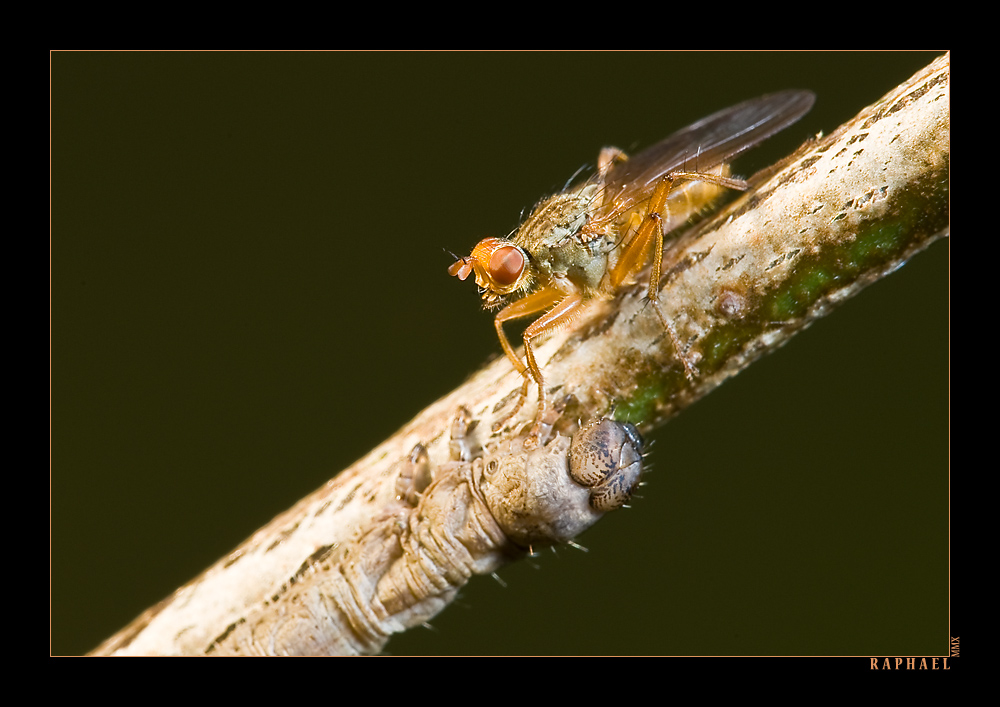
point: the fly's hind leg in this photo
(635, 254)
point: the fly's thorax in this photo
(553, 236)
(584, 264)
(556, 219)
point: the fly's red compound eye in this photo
(506, 265)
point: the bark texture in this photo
(844, 211)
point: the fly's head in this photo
(502, 270)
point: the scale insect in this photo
(588, 241)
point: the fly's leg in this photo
(546, 423)
(635, 254)
(566, 307)
(532, 304)
(559, 315)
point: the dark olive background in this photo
(248, 292)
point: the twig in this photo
(840, 214)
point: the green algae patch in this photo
(809, 282)
(647, 399)
(879, 244)
(818, 272)
(726, 341)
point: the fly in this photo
(588, 241)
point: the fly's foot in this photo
(689, 368)
(606, 457)
(545, 421)
(499, 424)
(542, 428)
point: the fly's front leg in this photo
(635, 254)
(566, 306)
(532, 304)
(545, 424)
(559, 315)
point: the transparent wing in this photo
(705, 144)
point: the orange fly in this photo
(587, 241)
